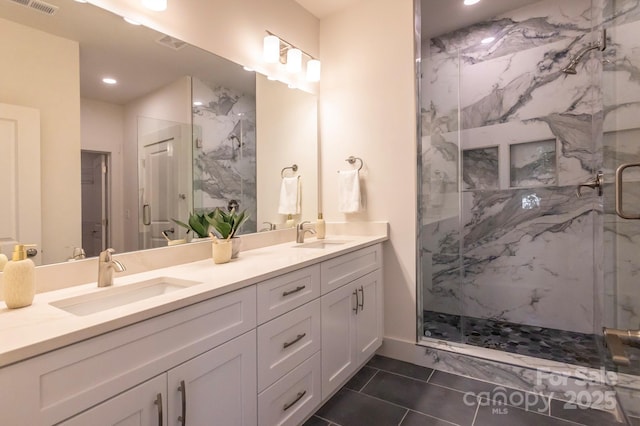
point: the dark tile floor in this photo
(387, 392)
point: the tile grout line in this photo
(326, 420)
(403, 417)
(431, 375)
(374, 375)
(405, 376)
(475, 415)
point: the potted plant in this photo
(225, 225)
(198, 224)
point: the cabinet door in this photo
(218, 387)
(144, 405)
(369, 326)
(338, 337)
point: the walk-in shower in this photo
(510, 258)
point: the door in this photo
(619, 236)
(20, 178)
(165, 184)
(95, 211)
(217, 387)
(338, 337)
(143, 405)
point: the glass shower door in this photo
(619, 236)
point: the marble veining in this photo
(533, 164)
(480, 168)
(225, 150)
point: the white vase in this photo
(221, 251)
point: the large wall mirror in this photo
(88, 164)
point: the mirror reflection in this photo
(177, 133)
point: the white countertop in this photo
(41, 327)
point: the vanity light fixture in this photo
(271, 49)
(470, 2)
(155, 5)
(109, 80)
(487, 40)
(294, 60)
(276, 50)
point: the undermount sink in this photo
(112, 297)
(320, 244)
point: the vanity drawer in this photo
(344, 269)
(59, 384)
(293, 398)
(286, 292)
(286, 341)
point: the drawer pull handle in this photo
(299, 337)
(361, 304)
(292, 403)
(295, 290)
(357, 301)
(158, 402)
(183, 391)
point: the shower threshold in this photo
(539, 342)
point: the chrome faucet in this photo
(106, 266)
(301, 230)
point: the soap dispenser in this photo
(321, 227)
(290, 222)
(19, 279)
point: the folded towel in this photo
(290, 196)
(349, 191)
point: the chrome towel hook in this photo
(293, 168)
(352, 160)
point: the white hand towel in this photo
(290, 196)
(349, 182)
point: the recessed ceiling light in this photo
(81, 1)
(487, 40)
(470, 2)
(272, 78)
(109, 80)
(131, 21)
(247, 68)
(197, 103)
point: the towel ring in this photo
(352, 160)
(294, 168)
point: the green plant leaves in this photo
(227, 224)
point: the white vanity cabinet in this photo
(218, 387)
(57, 385)
(267, 354)
(352, 322)
(289, 380)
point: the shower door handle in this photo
(593, 183)
(619, 191)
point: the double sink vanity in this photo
(263, 340)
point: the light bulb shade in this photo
(313, 70)
(157, 5)
(271, 49)
(294, 60)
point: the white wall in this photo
(44, 74)
(367, 109)
(103, 131)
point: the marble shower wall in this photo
(224, 150)
(517, 244)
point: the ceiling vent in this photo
(40, 6)
(171, 43)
